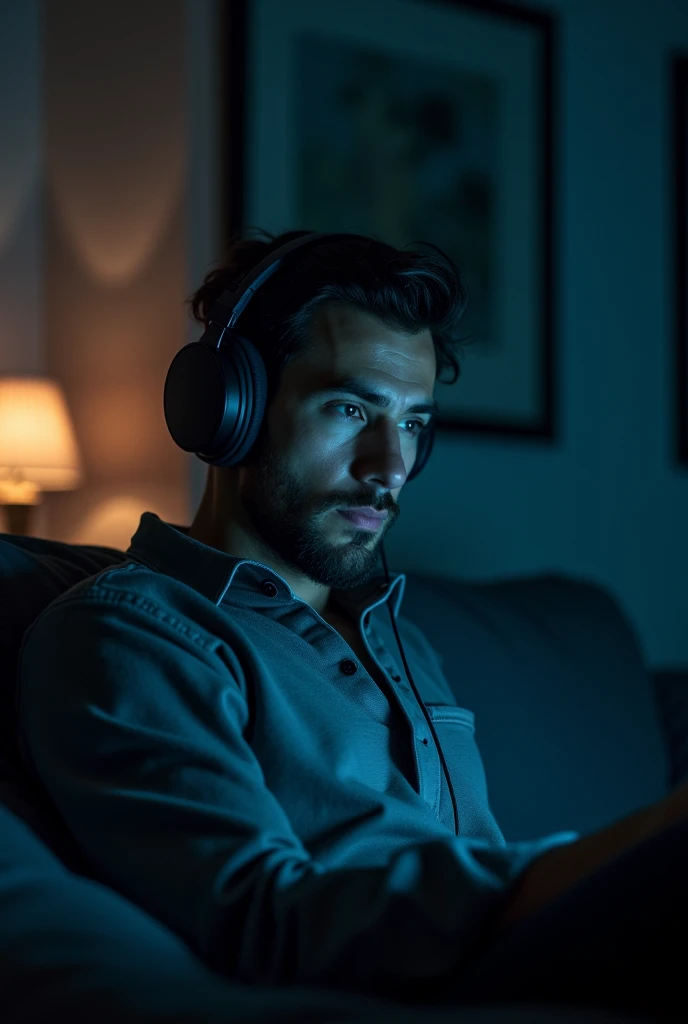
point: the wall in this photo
(115, 253)
(21, 193)
(21, 224)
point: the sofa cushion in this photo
(565, 712)
(33, 572)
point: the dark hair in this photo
(406, 289)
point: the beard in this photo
(289, 522)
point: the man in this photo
(223, 721)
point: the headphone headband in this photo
(228, 308)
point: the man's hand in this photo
(560, 868)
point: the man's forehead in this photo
(379, 357)
(413, 373)
(341, 338)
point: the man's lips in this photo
(366, 511)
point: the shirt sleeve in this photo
(136, 725)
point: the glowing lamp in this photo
(38, 449)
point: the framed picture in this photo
(680, 222)
(413, 121)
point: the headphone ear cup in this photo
(214, 398)
(246, 392)
(427, 439)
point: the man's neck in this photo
(337, 616)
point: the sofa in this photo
(574, 732)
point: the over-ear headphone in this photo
(216, 388)
(216, 393)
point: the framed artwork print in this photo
(413, 121)
(679, 198)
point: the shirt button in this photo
(425, 740)
(348, 667)
(397, 679)
(268, 588)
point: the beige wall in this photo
(115, 273)
(21, 190)
(20, 186)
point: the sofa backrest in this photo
(566, 716)
(33, 572)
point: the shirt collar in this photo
(167, 548)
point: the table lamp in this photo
(38, 450)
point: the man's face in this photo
(324, 452)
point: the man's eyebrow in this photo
(365, 389)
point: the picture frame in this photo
(679, 220)
(453, 101)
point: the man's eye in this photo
(345, 405)
(419, 426)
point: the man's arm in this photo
(558, 869)
(136, 724)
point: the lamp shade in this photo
(38, 448)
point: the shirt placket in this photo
(426, 754)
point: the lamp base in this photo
(18, 518)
